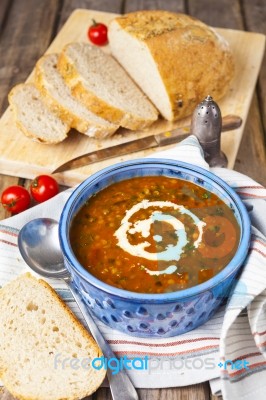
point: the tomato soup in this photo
(154, 234)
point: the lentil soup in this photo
(154, 234)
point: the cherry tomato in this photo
(15, 199)
(43, 187)
(97, 33)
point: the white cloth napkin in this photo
(237, 332)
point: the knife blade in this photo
(229, 122)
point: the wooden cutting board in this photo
(19, 156)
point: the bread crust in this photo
(192, 59)
(73, 120)
(32, 135)
(22, 128)
(93, 102)
(74, 322)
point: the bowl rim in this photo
(229, 270)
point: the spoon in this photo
(39, 246)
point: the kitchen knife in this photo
(229, 122)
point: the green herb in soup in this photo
(154, 234)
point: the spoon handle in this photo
(120, 384)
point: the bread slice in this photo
(97, 80)
(176, 59)
(52, 86)
(5, 395)
(38, 333)
(33, 116)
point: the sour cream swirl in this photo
(171, 252)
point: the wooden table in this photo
(27, 27)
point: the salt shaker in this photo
(206, 125)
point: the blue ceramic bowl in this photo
(153, 315)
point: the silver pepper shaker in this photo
(206, 125)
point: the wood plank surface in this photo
(4, 9)
(251, 17)
(255, 20)
(175, 6)
(28, 158)
(222, 13)
(194, 392)
(24, 35)
(22, 23)
(21, 51)
(114, 6)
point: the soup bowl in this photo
(153, 315)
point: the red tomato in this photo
(43, 188)
(15, 199)
(97, 33)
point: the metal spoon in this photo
(39, 246)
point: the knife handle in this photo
(229, 122)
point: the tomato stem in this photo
(34, 183)
(12, 203)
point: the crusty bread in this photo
(37, 334)
(33, 116)
(5, 395)
(97, 80)
(176, 59)
(52, 86)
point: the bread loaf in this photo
(58, 95)
(175, 59)
(103, 86)
(34, 117)
(37, 334)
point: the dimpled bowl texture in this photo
(153, 315)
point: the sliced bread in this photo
(33, 116)
(52, 86)
(44, 349)
(97, 80)
(176, 59)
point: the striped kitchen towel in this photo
(236, 332)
